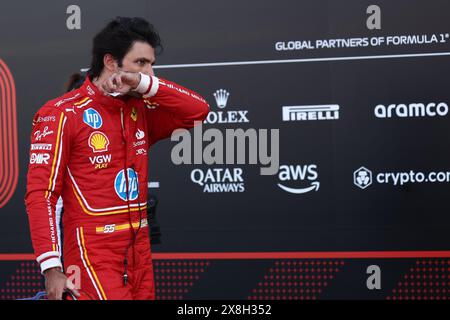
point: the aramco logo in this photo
(9, 163)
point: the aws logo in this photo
(9, 163)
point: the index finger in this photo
(71, 288)
(118, 79)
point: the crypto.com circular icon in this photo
(362, 177)
(9, 159)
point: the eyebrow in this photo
(145, 59)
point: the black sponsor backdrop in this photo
(41, 53)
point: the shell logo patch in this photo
(98, 141)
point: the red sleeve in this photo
(48, 155)
(170, 107)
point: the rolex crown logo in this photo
(221, 96)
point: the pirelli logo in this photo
(9, 163)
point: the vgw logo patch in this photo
(9, 160)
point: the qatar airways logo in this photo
(9, 162)
(221, 97)
(219, 180)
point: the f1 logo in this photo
(9, 162)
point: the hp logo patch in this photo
(92, 118)
(120, 185)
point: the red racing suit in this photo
(92, 151)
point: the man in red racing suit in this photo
(91, 149)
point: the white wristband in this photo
(51, 263)
(50, 259)
(143, 84)
(154, 86)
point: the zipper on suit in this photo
(123, 126)
(124, 142)
(125, 170)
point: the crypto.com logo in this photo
(362, 178)
(9, 164)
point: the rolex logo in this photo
(221, 96)
(222, 116)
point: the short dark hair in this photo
(118, 37)
(75, 81)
